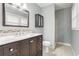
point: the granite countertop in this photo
(14, 38)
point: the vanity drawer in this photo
(32, 46)
(24, 48)
(39, 46)
(1, 51)
(11, 49)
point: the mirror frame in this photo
(3, 18)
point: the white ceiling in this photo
(43, 4)
(58, 6)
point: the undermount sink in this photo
(27, 34)
(13, 38)
(16, 36)
(6, 38)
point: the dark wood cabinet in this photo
(24, 48)
(27, 47)
(39, 20)
(39, 46)
(11, 49)
(1, 51)
(33, 47)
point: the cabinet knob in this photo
(40, 37)
(31, 41)
(11, 49)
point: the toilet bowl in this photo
(46, 45)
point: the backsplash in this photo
(5, 32)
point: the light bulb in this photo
(24, 6)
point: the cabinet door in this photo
(1, 51)
(38, 20)
(24, 48)
(41, 21)
(39, 46)
(11, 49)
(33, 51)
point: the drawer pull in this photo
(31, 41)
(11, 49)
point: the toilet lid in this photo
(46, 43)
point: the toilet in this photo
(46, 45)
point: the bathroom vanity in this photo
(22, 46)
(29, 44)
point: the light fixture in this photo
(21, 6)
(24, 6)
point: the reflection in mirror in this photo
(15, 15)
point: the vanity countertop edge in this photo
(18, 38)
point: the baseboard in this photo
(67, 44)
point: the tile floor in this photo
(60, 50)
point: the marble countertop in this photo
(14, 38)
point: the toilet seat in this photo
(46, 43)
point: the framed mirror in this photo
(15, 15)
